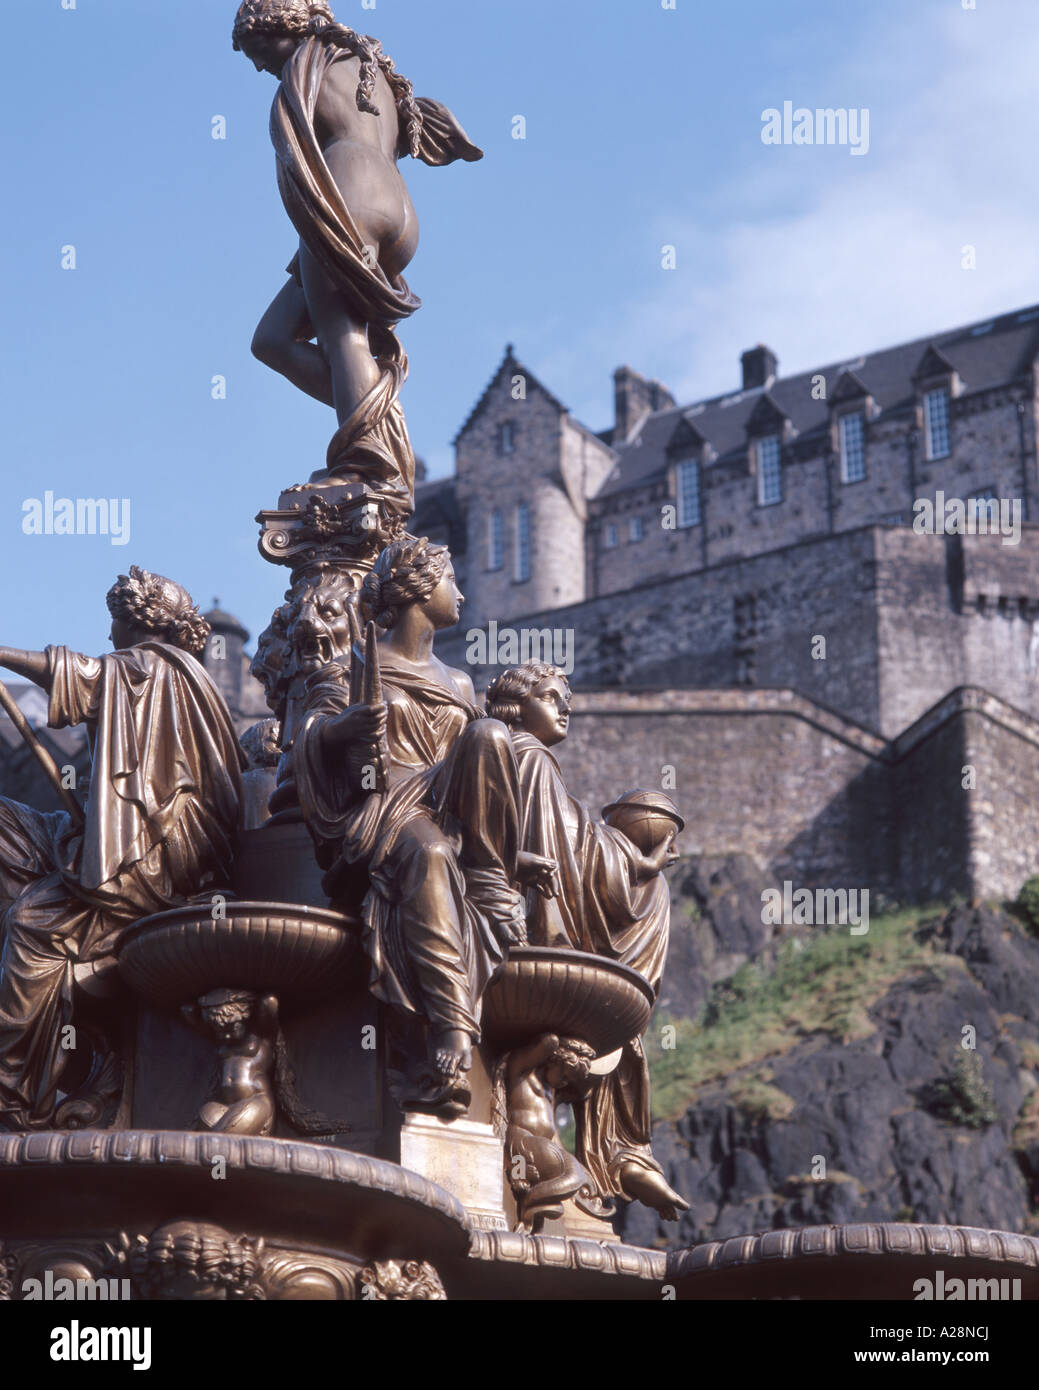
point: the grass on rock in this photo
(824, 982)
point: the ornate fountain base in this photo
(185, 1216)
(181, 1215)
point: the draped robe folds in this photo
(319, 212)
(602, 908)
(439, 843)
(161, 820)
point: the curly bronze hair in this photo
(506, 693)
(406, 572)
(296, 19)
(159, 606)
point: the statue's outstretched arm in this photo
(34, 666)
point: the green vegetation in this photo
(825, 982)
(755, 1095)
(964, 1098)
(1027, 905)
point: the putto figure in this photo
(161, 819)
(529, 1083)
(341, 119)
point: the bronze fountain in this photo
(312, 1043)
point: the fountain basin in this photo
(544, 989)
(293, 951)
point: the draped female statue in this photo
(161, 819)
(438, 840)
(612, 900)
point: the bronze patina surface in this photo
(259, 1040)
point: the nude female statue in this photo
(341, 119)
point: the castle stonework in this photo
(847, 691)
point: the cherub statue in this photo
(256, 1081)
(161, 820)
(610, 899)
(341, 119)
(529, 1083)
(244, 1026)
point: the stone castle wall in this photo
(813, 799)
(763, 773)
(986, 438)
(905, 617)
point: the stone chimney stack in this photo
(760, 365)
(634, 399)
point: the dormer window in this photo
(937, 381)
(851, 434)
(936, 422)
(687, 489)
(495, 541)
(507, 437)
(768, 427)
(770, 474)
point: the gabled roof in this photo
(849, 388)
(987, 353)
(685, 437)
(510, 366)
(766, 415)
(933, 363)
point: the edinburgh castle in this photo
(754, 615)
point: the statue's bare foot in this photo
(646, 1185)
(452, 1053)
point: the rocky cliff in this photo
(804, 1075)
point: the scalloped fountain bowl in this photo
(294, 951)
(547, 990)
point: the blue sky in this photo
(643, 130)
